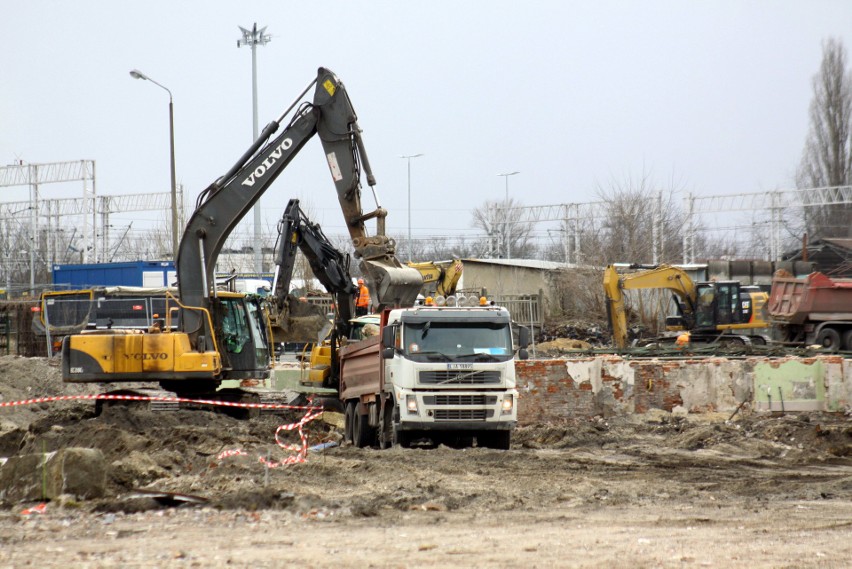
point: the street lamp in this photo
(506, 213)
(409, 157)
(136, 74)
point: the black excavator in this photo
(209, 335)
(329, 265)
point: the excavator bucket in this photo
(300, 321)
(391, 283)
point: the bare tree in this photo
(626, 233)
(504, 237)
(827, 156)
(154, 243)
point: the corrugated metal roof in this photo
(844, 243)
(523, 263)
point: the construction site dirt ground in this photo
(651, 490)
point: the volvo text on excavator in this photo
(209, 335)
(718, 311)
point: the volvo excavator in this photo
(717, 311)
(209, 335)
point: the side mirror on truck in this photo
(523, 337)
(523, 342)
(388, 338)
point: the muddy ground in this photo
(646, 491)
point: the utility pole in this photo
(506, 228)
(409, 157)
(253, 38)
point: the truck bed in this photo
(360, 368)
(815, 297)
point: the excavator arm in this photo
(288, 317)
(224, 203)
(662, 277)
(445, 275)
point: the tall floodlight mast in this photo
(252, 38)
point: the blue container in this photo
(132, 273)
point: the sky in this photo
(706, 97)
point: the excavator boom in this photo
(225, 202)
(662, 277)
(445, 275)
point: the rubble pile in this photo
(590, 333)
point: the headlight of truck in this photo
(411, 403)
(508, 403)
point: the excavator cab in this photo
(718, 304)
(242, 336)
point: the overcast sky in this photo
(709, 97)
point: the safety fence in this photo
(35, 328)
(526, 309)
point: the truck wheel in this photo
(829, 338)
(360, 428)
(386, 427)
(847, 340)
(348, 420)
(500, 440)
(401, 438)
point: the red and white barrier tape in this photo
(107, 397)
(229, 453)
(40, 509)
(301, 449)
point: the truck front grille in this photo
(452, 377)
(462, 414)
(468, 400)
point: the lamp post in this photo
(136, 74)
(409, 157)
(253, 38)
(506, 214)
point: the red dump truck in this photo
(812, 310)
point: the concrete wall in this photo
(510, 280)
(503, 279)
(611, 385)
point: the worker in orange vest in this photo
(362, 303)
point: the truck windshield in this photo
(457, 341)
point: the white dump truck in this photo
(443, 373)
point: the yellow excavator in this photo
(716, 311)
(209, 335)
(445, 275)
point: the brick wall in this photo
(548, 392)
(610, 385)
